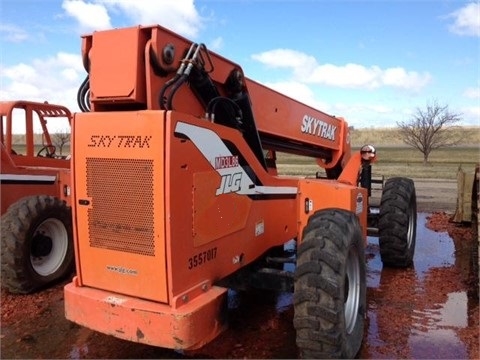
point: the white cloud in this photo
(20, 72)
(286, 58)
(180, 15)
(356, 114)
(399, 77)
(216, 44)
(298, 91)
(363, 115)
(89, 16)
(466, 20)
(306, 69)
(27, 91)
(471, 115)
(55, 79)
(12, 33)
(69, 74)
(472, 93)
(347, 76)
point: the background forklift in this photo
(36, 220)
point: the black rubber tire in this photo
(330, 286)
(397, 222)
(37, 244)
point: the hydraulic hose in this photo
(179, 82)
(176, 81)
(161, 96)
(83, 95)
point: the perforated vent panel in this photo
(121, 216)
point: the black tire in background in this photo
(397, 223)
(36, 244)
(330, 286)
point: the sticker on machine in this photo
(234, 178)
(259, 228)
(359, 205)
(114, 300)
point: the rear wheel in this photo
(37, 245)
(330, 286)
(397, 223)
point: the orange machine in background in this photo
(36, 228)
(177, 197)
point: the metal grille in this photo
(121, 216)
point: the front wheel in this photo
(397, 223)
(330, 286)
(37, 244)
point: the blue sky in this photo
(371, 61)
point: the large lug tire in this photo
(397, 223)
(330, 286)
(37, 244)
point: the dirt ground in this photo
(429, 311)
(436, 195)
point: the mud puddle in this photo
(428, 311)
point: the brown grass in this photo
(394, 157)
(397, 161)
(381, 137)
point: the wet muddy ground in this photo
(428, 311)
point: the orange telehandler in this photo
(36, 225)
(176, 198)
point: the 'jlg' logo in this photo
(230, 183)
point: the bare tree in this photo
(430, 129)
(60, 139)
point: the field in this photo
(397, 159)
(469, 135)
(394, 157)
